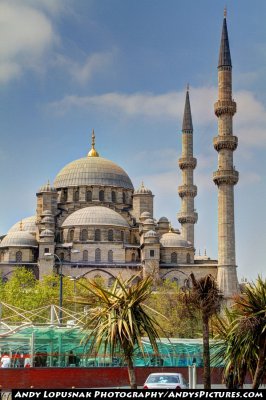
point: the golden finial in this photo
(93, 152)
(21, 226)
(170, 227)
(225, 12)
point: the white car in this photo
(165, 380)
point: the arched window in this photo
(133, 257)
(97, 255)
(124, 198)
(113, 197)
(76, 195)
(88, 195)
(85, 255)
(61, 256)
(110, 235)
(18, 256)
(71, 235)
(101, 195)
(122, 236)
(110, 256)
(188, 258)
(84, 235)
(174, 258)
(97, 235)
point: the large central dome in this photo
(89, 171)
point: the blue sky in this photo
(121, 67)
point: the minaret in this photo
(226, 176)
(187, 163)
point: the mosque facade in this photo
(92, 222)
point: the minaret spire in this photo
(226, 176)
(93, 152)
(224, 54)
(187, 163)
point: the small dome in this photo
(95, 216)
(145, 214)
(142, 190)
(46, 233)
(26, 224)
(172, 239)
(151, 234)
(19, 239)
(46, 212)
(149, 221)
(46, 188)
(48, 220)
(163, 219)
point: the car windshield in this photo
(163, 379)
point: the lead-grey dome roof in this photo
(172, 239)
(19, 239)
(26, 224)
(95, 216)
(89, 171)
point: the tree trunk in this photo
(131, 372)
(242, 375)
(261, 364)
(206, 353)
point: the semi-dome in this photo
(95, 216)
(149, 221)
(46, 188)
(47, 233)
(145, 214)
(163, 219)
(89, 171)
(172, 239)
(48, 220)
(19, 239)
(142, 190)
(26, 224)
(151, 234)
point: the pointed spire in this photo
(224, 55)
(93, 152)
(187, 118)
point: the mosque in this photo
(92, 222)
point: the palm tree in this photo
(121, 319)
(244, 339)
(226, 352)
(204, 296)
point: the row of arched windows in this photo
(98, 255)
(97, 235)
(88, 196)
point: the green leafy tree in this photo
(120, 319)
(173, 315)
(203, 297)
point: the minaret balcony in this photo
(225, 107)
(225, 177)
(187, 163)
(228, 142)
(187, 191)
(187, 217)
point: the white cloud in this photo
(250, 120)
(26, 33)
(82, 73)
